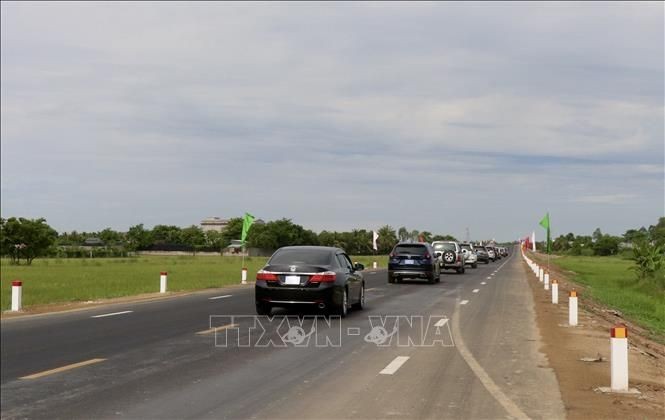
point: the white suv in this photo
(450, 254)
(470, 257)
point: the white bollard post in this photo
(162, 282)
(244, 276)
(17, 292)
(374, 264)
(572, 308)
(541, 274)
(536, 269)
(547, 281)
(619, 358)
(555, 291)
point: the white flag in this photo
(375, 236)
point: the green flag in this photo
(246, 224)
(545, 222)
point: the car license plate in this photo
(409, 262)
(292, 280)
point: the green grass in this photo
(71, 280)
(609, 281)
(74, 280)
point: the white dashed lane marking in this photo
(394, 365)
(219, 297)
(464, 302)
(483, 283)
(111, 314)
(476, 290)
(441, 322)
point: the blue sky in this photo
(433, 116)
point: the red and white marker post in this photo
(374, 264)
(17, 292)
(555, 291)
(547, 281)
(162, 281)
(572, 308)
(619, 358)
(541, 274)
(243, 278)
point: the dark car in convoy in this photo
(482, 253)
(415, 260)
(314, 276)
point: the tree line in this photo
(24, 239)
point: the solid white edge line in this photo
(111, 314)
(476, 290)
(394, 365)
(219, 297)
(441, 322)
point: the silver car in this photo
(470, 257)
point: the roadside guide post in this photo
(17, 292)
(162, 282)
(541, 273)
(374, 264)
(619, 358)
(244, 275)
(547, 281)
(572, 308)
(555, 291)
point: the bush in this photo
(648, 259)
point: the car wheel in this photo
(474, 265)
(391, 279)
(343, 309)
(361, 299)
(263, 308)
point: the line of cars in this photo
(324, 278)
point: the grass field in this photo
(72, 280)
(609, 281)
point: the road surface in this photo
(464, 348)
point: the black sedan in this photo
(315, 276)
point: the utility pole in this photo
(468, 236)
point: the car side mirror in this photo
(358, 267)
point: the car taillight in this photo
(324, 277)
(459, 258)
(393, 255)
(266, 276)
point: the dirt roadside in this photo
(578, 380)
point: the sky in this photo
(434, 116)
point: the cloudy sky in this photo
(435, 117)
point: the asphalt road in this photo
(464, 348)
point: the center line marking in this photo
(62, 369)
(394, 365)
(441, 322)
(219, 297)
(464, 302)
(111, 314)
(476, 290)
(489, 278)
(483, 283)
(212, 330)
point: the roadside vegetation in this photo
(626, 273)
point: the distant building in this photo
(93, 242)
(214, 224)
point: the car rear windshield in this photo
(414, 249)
(447, 247)
(301, 257)
(482, 248)
(468, 247)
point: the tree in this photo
(606, 245)
(163, 234)
(648, 259)
(657, 232)
(233, 230)
(138, 237)
(403, 234)
(26, 238)
(443, 238)
(193, 236)
(596, 235)
(110, 236)
(214, 239)
(387, 239)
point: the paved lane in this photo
(157, 366)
